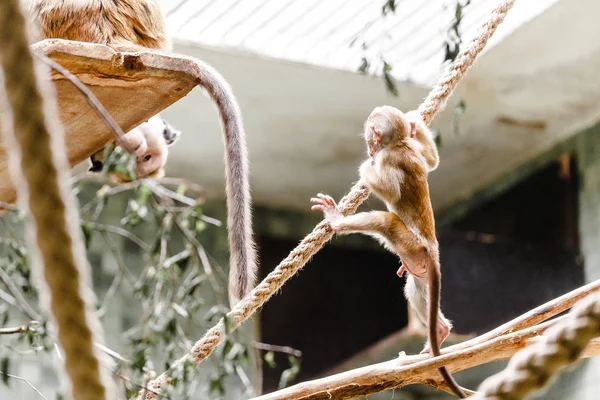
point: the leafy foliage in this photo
(380, 65)
(290, 374)
(388, 7)
(454, 39)
(173, 281)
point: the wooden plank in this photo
(132, 86)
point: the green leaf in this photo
(227, 346)
(364, 66)
(237, 352)
(181, 189)
(388, 6)
(460, 108)
(143, 194)
(216, 384)
(390, 82)
(87, 234)
(228, 324)
(437, 138)
(291, 373)
(452, 51)
(117, 160)
(4, 368)
(270, 359)
(199, 226)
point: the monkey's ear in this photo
(170, 134)
(413, 128)
(375, 134)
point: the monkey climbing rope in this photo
(348, 205)
(532, 367)
(36, 144)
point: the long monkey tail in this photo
(435, 279)
(242, 258)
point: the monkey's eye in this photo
(148, 157)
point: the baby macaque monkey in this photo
(402, 152)
(151, 141)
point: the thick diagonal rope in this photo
(39, 168)
(533, 367)
(348, 205)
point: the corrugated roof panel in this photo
(331, 33)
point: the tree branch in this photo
(498, 344)
(18, 378)
(13, 330)
(406, 370)
(18, 296)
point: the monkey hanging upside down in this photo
(139, 25)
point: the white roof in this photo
(330, 33)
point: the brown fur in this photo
(402, 153)
(116, 23)
(139, 24)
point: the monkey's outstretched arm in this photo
(384, 224)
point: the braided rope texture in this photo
(533, 367)
(39, 167)
(312, 243)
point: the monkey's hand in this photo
(137, 142)
(327, 204)
(443, 331)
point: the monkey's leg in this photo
(384, 224)
(414, 259)
(387, 225)
(416, 291)
(401, 270)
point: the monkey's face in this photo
(151, 141)
(151, 161)
(385, 125)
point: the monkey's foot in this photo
(442, 333)
(330, 209)
(401, 271)
(420, 272)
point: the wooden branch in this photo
(499, 344)
(13, 330)
(406, 370)
(538, 314)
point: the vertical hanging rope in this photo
(39, 168)
(532, 367)
(348, 205)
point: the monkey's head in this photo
(151, 141)
(158, 135)
(387, 126)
